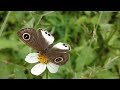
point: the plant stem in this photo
(4, 23)
(42, 17)
(99, 20)
(46, 73)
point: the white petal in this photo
(32, 58)
(38, 69)
(53, 68)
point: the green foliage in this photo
(94, 37)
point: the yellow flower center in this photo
(42, 58)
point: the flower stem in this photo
(46, 73)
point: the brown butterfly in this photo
(42, 41)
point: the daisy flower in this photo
(42, 64)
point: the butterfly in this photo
(42, 41)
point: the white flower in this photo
(42, 65)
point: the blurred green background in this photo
(94, 37)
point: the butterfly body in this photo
(42, 41)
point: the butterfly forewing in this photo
(37, 39)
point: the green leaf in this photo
(19, 72)
(105, 17)
(4, 71)
(6, 44)
(85, 57)
(106, 74)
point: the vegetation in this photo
(94, 37)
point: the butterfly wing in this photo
(38, 40)
(58, 54)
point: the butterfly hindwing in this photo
(58, 54)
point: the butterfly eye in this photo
(26, 36)
(58, 59)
